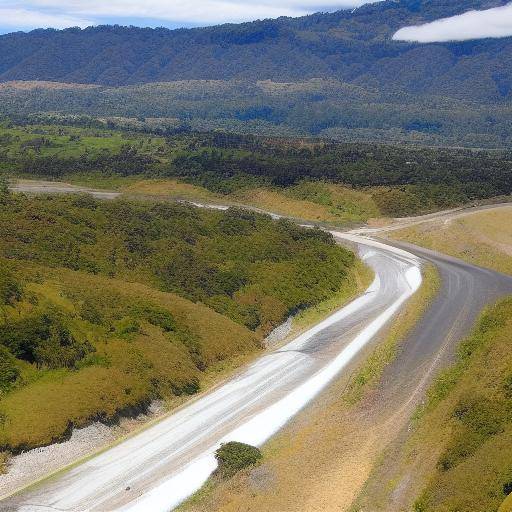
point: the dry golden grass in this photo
(29, 85)
(133, 371)
(170, 188)
(506, 505)
(483, 238)
(322, 459)
(314, 202)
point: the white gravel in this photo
(32, 465)
(279, 333)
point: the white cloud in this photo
(24, 18)
(60, 13)
(496, 22)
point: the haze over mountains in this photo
(362, 84)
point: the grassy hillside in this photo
(483, 238)
(330, 182)
(105, 306)
(464, 434)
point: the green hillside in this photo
(466, 429)
(105, 306)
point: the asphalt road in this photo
(465, 290)
(159, 467)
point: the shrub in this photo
(9, 372)
(45, 340)
(127, 326)
(233, 457)
(10, 290)
(508, 386)
(159, 317)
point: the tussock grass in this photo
(483, 238)
(125, 374)
(311, 201)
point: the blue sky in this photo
(29, 14)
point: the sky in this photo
(29, 14)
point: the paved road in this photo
(160, 466)
(465, 290)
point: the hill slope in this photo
(337, 75)
(350, 46)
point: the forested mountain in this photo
(350, 46)
(337, 75)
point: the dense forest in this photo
(321, 108)
(351, 46)
(105, 306)
(400, 180)
(336, 75)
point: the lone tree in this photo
(233, 457)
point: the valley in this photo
(255, 257)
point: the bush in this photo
(127, 326)
(9, 372)
(233, 457)
(159, 317)
(10, 290)
(43, 339)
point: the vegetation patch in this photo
(323, 181)
(233, 457)
(105, 306)
(467, 421)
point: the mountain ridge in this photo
(346, 45)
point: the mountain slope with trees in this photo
(349, 46)
(337, 75)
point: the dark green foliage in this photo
(9, 372)
(403, 180)
(351, 46)
(240, 263)
(159, 317)
(4, 185)
(43, 339)
(233, 457)
(351, 80)
(125, 163)
(10, 289)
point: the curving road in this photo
(161, 466)
(164, 464)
